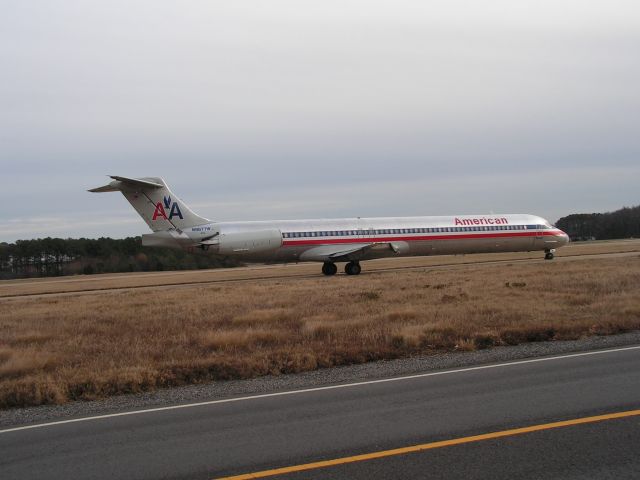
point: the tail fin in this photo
(154, 201)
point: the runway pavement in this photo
(241, 435)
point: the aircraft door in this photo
(538, 239)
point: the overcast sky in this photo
(292, 109)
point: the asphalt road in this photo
(253, 434)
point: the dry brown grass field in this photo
(62, 348)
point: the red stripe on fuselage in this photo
(332, 241)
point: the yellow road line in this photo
(432, 445)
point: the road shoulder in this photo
(313, 379)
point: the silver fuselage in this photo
(316, 240)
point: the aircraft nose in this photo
(564, 238)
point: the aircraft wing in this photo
(343, 253)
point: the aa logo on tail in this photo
(172, 207)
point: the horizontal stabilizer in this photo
(138, 182)
(124, 181)
(105, 188)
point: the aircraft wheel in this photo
(352, 268)
(548, 255)
(329, 268)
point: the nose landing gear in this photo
(549, 254)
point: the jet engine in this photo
(249, 242)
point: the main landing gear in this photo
(548, 254)
(329, 268)
(351, 268)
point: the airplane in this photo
(330, 241)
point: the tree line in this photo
(623, 223)
(45, 257)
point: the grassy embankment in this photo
(57, 349)
(83, 283)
